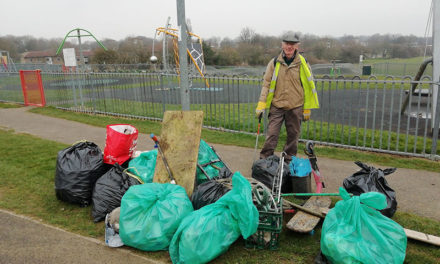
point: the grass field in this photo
(398, 67)
(9, 105)
(414, 60)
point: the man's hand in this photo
(306, 114)
(260, 108)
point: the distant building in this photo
(45, 57)
(49, 57)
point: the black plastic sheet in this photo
(370, 179)
(77, 169)
(109, 190)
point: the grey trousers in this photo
(292, 119)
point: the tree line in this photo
(249, 48)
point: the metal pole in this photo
(165, 46)
(436, 121)
(183, 57)
(435, 56)
(81, 66)
(81, 56)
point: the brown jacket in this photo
(289, 92)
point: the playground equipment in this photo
(78, 31)
(414, 85)
(194, 50)
(6, 62)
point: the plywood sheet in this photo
(179, 140)
(434, 240)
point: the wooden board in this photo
(434, 240)
(179, 140)
(303, 222)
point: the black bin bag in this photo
(207, 193)
(264, 170)
(109, 189)
(370, 179)
(77, 169)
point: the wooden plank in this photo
(179, 140)
(302, 208)
(325, 211)
(303, 222)
(434, 240)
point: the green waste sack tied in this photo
(207, 156)
(143, 166)
(207, 233)
(151, 213)
(355, 232)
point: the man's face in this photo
(289, 48)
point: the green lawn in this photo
(415, 60)
(9, 105)
(398, 66)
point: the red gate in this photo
(32, 87)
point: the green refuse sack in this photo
(143, 166)
(151, 214)
(355, 232)
(207, 233)
(209, 158)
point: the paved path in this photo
(417, 191)
(24, 240)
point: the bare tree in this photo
(247, 35)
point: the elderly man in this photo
(289, 93)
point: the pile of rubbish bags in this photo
(154, 216)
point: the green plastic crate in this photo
(268, 232)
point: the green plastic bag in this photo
(207, 233)
(355, 232)
(207, 156)
(151, 214)
(143, 166)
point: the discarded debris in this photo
(370, 179)
(355, 232)
(77, 169)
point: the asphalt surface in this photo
(24, 240)
(29, 241)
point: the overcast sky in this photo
(118, 19)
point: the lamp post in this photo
(183, 57)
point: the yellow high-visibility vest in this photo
(310, 94)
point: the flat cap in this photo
(291, 37)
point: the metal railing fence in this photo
(357, 113)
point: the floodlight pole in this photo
(183, 59)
